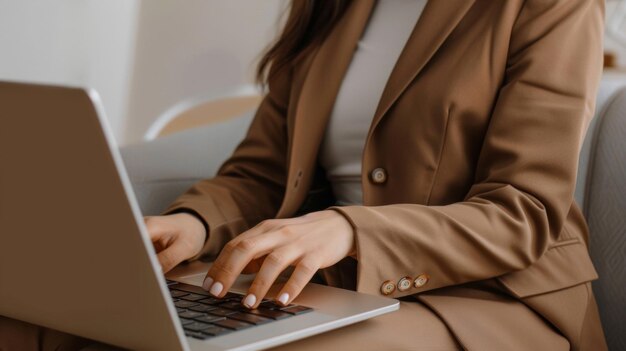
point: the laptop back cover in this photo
(74, 255)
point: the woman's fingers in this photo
(253, 266)
(175, 237)
(172, 255)
(278, 244)
(302, 274)
(234, 258)
(273, 265)
(155, 227)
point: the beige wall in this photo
(81, 43)
(141, 55)
(192, 48)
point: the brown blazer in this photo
(477, 132)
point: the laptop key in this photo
(273, 314)
(272, 305)
(190, 314)
(180, 310)
(192, 289)
(192, 297)
(211, 301)
(233, 324)
(197, 335)
(202, 308)
(250, 318)
(237, 306)
(184, 304)
(185, 321)
(196, 326)
(268, 304)
(296, 309)
(178, 293)
(208, 318)
(222, 312)
(216, 331)
(230, 295)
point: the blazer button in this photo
(421, 280)
(379, 175)
(404, 284)
(388, 287)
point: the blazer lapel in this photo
(438, 20)
(328, 69)
(317, 99)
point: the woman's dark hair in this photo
(308, 24)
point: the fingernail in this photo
(216, 288)
(283, 298)
(249, 301)
(206, 285)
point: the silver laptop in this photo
(76, 257)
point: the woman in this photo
(469, 123)
(422, 151)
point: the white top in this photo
(388, 30)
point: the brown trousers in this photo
(414, 327)
(387, 332)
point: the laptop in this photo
(75, 255)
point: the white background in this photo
(141, 56)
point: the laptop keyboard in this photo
(204, 316)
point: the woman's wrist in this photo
(194, 226)
(194, 222)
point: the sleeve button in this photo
(404, 284)
(421, 280)
(388, 287)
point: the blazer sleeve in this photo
(526, 170)
(255, 174)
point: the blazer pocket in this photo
(565, 264)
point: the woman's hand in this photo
(316, 240)
(175, 238)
